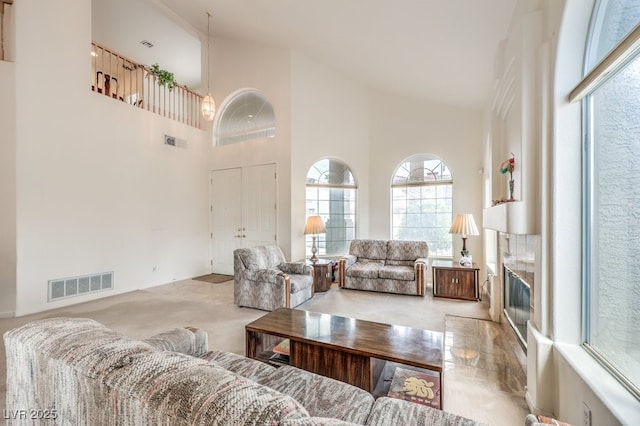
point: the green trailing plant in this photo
(165, 78)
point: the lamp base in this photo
(314, 250)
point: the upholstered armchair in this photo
(263, 279)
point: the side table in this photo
(452, 280)
(321, 275)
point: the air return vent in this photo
(77, 286)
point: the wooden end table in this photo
(321, 275)
(452, 280)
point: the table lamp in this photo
(314, 226)
(465, 225)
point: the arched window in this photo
(331, 194)
(245, 115)
(421, 203)
(611, 188)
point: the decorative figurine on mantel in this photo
(509, 165)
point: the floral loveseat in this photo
(263, 279)
(75, 371)
(388, 266)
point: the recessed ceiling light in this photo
(146, 43)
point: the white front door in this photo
(243, 212)
(259, 205)
(226, 220)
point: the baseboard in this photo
(532, 408)
(7, 314)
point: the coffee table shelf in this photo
(346, 349)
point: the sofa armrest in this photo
(299, 268)
(348, 260)
(189, 340)
(345, 262)
(422, 260)
(269, 276)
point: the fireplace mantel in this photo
(513, 217)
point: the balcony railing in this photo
(120, 78)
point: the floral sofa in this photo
(263, 279)
(388, 266)
(77, 371)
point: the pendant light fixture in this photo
(208, 104)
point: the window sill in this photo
(622, 404)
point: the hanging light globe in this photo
(208, 107)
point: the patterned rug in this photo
(214, 278)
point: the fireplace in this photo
(517, 304)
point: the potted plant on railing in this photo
(165, 78)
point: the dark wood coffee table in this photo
(346, 349)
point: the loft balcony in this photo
(124, 80)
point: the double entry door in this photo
(243, 212)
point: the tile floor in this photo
(484, 367)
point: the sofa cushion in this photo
(397, 412)
(364, 270)
(192, 391)
(405, 273)
(320, 395)
(189, 341)
(369, 249)
(406, 250)
(89, 346)
(246, 367)
(261, 257)
(300, 282)
(299, 268)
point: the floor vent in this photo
(77, 286)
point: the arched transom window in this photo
(331, 194)
(245, 115)
(421, 203)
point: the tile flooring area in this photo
(483, 363)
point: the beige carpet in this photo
(145, 312)
(214, 278)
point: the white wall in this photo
(329, 120)
(238, 65)
(401, 127)
(7, 190)
(97, 189)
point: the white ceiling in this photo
(442, 50)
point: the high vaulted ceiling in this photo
(443, 50)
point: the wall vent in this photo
(173, 141)
(77, 286)
(146, 43)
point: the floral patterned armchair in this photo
(263, 279)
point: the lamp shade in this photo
(464, 224)
(314, 225)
